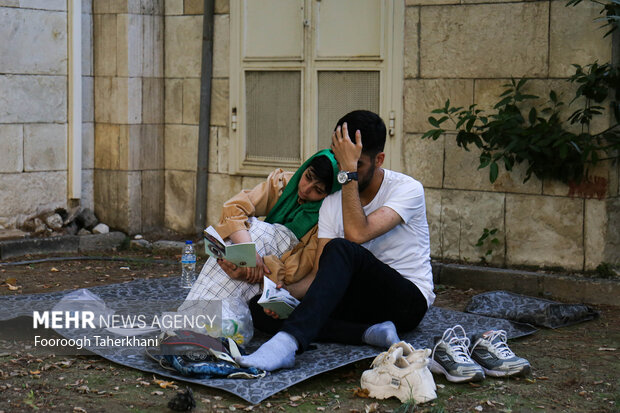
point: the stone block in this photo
(424, 95)
(107, 146)
(129, 45)
(117, 6)
(32, 192)
(490, 279)
(7, 234)
(181, 146)
(101, 242)
(38, 246)
(464, 216)
(612, 242)
(151, 147)
(9, 3)
(104, 44)
(88, 145)
(219, 102)
(45, 147)
(430, 2)
(21, 29)
(412, 50)
(152, 7)
(56, 5)
(40, 99)
(595, 232)
(153, 191)
(153, 48)
(451, 46)
(174, 100)
(220, 189)
(87, 200)
(152, 100)
(433, 217)
(118, 100)
(174, 7)
(424, 159)
(88, 99)
(87, 44)
(213, 149)
(11, 148)
(461, 172)
(193, 7)
(180, 201)
(191, 102)
(575, 37)
(544, 231)
(118, 199)
(222, 7)
(249, 182)
(222, 150)
(87, 6)
(221, 45)
(183, 45)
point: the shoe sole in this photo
(503, 373)
(380, 392)
(439, 369)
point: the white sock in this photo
(381, 335)
(277, 353)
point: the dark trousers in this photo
(352, 291)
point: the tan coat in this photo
(293, 265)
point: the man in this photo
(373, 276)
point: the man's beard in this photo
(364, 181)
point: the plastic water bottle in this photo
(188, 265)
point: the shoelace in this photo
(500, 346)
(458, 344)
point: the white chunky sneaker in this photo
(393, 375)
(496, 358)
(451, 357)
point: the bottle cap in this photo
(188, 242)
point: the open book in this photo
(243, 255)
(279, 301)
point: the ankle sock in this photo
(381, 335)
(277, 353)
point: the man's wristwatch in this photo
(345, 177)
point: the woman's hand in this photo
(269, 312)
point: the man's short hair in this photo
(372, 128)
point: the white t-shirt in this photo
(406, 247)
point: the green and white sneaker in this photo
(492, 353)
(450, 357)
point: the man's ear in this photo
(379, 159)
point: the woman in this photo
(285, 241)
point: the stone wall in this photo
(183, 34)
(129, 113)
(33, 108)
(465, 51)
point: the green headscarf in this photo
(300, 218)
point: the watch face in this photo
(342, 177)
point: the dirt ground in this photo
(574, 368)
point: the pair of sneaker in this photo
(460, 361)
(401, 372)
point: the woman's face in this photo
(310, 189)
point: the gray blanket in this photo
(325, 357)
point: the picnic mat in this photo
(325, 357)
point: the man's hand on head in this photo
(346, 152)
